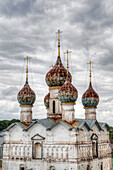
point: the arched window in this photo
(53, 106)
(37, 151)
(94, 139)
(21, 167)
(52, 168)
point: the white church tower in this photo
(26, 97)
(55, 78)
(90, 100)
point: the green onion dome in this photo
(26, 95)
(90, 98)
(68, 93)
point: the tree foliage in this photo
(5, 123)
(111, 132)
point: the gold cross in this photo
(90, 63)
(59, 41)
(67, 52)
(27, 58)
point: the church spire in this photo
(27, 58)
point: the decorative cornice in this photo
(90, 107)
(26, 105)
(54, 87)
(68, 103)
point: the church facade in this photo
(60, 141)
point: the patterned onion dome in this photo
(26, 96)
(90, 98)
(57, 75)
(68, 93)
(46, 100)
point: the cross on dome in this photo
(27, 58)
(67, 52)
(59, 32)
(90, 63)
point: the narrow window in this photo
(22, 167)
(101, 166)
(88, 167)
(54, 106)
(94, 139)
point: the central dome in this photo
(57, 75)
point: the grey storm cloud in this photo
(27, 28)
(9, 91)
(18, 8)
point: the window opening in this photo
(54, 106)
(94, 139)
(37, 151)
(22, 167)
(101, 166)
(88, 167)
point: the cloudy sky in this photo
(27, 27)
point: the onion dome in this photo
(90, 98)
(46, 100)
(68, 93)
(26, 95)
(57, 75)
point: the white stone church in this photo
(61, 141)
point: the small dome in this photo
(57, 75)
(68, 93)
(26, 96)
(46, 100)
(90, 98)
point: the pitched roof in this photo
(49, 123)
(13, 124)
(1, 137)
(45, 122)
(62, 123)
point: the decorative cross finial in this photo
(59, 41)
(27, 58)
(90, 63)
(67, 52)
